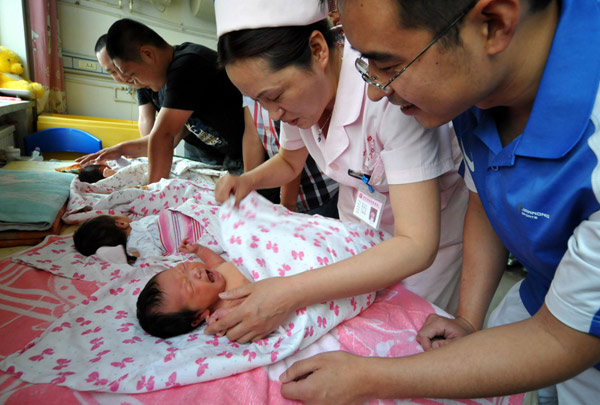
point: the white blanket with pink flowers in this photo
(33, 299)
(59, 332)
(58, 255)
(99, 346)
(112, 196)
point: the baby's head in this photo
(104, 230)
(94, 173)
(178, 300)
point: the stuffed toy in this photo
(11, 69)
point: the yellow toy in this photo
(11, 68)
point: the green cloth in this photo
(30, 200)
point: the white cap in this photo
(235, 15)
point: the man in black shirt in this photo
(146, 111)
(190, 91)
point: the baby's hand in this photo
(215, 316)
(218, 314)
(188, 247)
(222, 312)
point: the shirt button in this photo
(494, 168)
(334, 166)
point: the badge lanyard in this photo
(369, 203)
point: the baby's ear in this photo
(200, 317)
(122, 224)
(107, 172)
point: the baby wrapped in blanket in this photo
(122, 193)
(100, 170)
(179, 299)
(99, 344)
(152, 235)
(123, 173)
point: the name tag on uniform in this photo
(369, 206)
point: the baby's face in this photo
(190, 286)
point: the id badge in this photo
(369, 206)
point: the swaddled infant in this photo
(152, 235)
(177, 300)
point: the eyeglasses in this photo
(363, 66)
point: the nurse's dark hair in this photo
(435, 15)
(161, 324)
(280, 46)
(125, 37)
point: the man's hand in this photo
(265, 307)
(327, 378)
(112, 153)
(438, 331)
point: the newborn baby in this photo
(100, 170)
(178, 300)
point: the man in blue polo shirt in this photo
(520, 79)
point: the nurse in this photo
(284, 55)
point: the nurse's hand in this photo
(328, 378)
(239, 186)
(267, 304)
(438, 331)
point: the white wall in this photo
(83, 21)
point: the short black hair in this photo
(435, 15)
(97, 232)
(100, 43)
(160, 324)
(280, 46)
(91, 173)
(126, 36)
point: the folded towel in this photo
(31, 199)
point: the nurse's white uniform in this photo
(376, 138)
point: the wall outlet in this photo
(124, 94)
(88, 65)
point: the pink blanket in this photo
(174, 227)
(32, 299)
